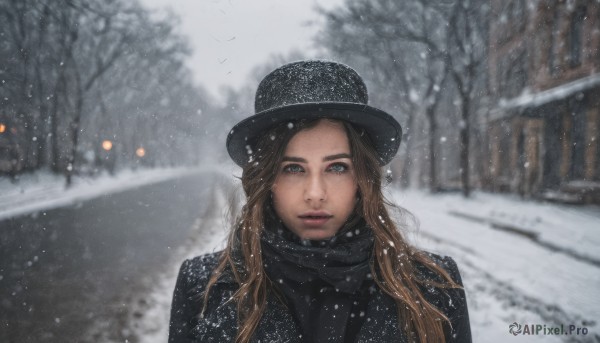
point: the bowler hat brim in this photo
(382, 128)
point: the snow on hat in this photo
(314, 89)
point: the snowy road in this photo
(63, 270)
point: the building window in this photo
(576, 37)
(513, 71)
(553, 47)
(519, 77)
(504, 164)
(578, 143)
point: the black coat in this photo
(219, 323)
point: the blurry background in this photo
(113, 118)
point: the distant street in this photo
(61, 270)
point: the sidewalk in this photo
(510, 277)
(44, 190)
(568, 229)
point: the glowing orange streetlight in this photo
(141, 152)
(2, 128)
(107, 145)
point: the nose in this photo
(315, 189)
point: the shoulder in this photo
(195, 274)
(199, 268)
(446, 299)
(188, 323)
(451, 301)
(445, 262)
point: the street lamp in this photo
(140, 152)
(2, 127)
(107, 145)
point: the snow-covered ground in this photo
(509, 276)
(521, 261)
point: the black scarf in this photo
(325, 283)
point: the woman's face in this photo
(315, 189)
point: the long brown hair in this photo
(393, 262)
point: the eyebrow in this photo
(326, 158)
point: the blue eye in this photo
(338, 168)
(292, 169)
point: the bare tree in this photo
(81, 72)
(402, 44)
(467, 54)
(23, 33)
(416, 47)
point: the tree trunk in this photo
(406, 166)
(464, 147)
(41, 90)
(433, 183)
(55, 155)
(75, 125)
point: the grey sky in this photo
(230, 37)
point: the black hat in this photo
(314, 89)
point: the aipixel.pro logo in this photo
(516, 329)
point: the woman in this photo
(315, 255)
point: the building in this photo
(544, 66)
